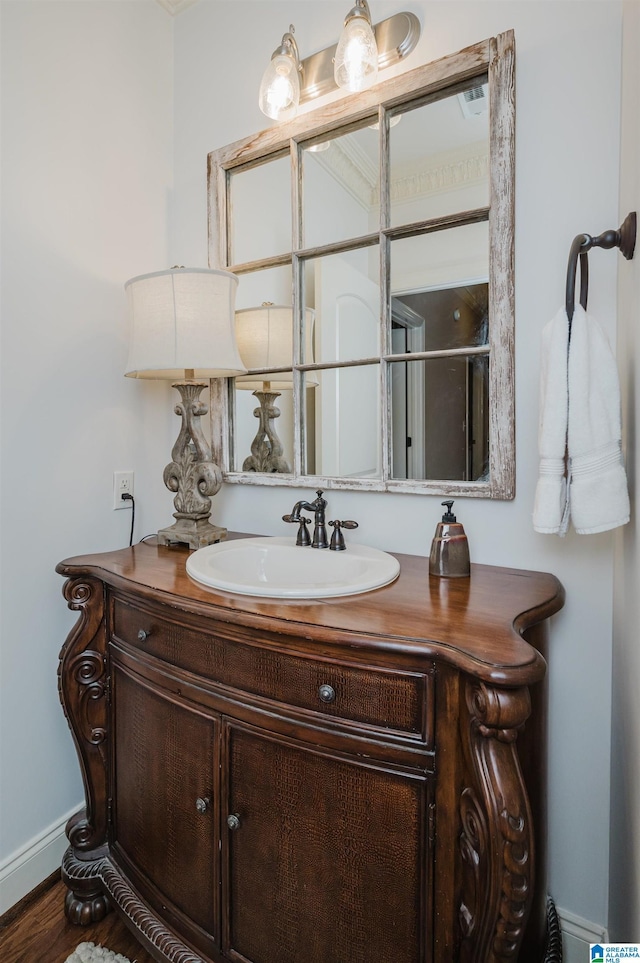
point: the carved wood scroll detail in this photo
(85, 902)
(496, 841)
(148, 925)
(91, 882)
(83, 686)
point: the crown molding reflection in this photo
(349, 164)
(462, 168)
(351, 167)
(175, 7)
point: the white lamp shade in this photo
(265, 340)
(183, 320)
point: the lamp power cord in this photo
(126, 497)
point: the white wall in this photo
(87, 140)
(566, 183)
(88, 202)
(624, 902)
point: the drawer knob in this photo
(326, 693)
(202, 805)
(143, 635)
(233, 821)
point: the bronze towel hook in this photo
(624, 238)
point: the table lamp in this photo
(182, 329)
(265, 340)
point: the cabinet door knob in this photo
(143, 635)
(233, 821)
(326, 693)
(202, 805)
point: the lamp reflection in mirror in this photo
(265, 341)
(182, 329)
(280, 87)
(356, 60)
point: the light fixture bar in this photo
(396, 37)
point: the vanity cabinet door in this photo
(165, 812)
(325, 855)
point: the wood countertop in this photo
(475, 623)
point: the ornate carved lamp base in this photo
(192, 475)
(194, 532)
(266, 448)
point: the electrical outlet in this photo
(122, 484)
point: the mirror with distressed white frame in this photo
(373, 239)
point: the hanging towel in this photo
(598, 483)
(550, 513)
(581, 397)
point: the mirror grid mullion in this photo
(297, 301)
(227, 218)
(385, 294)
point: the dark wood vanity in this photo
(353, 780)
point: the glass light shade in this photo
(280, 88)
(393, 122)
(356, 60)
(183, 320)
(265, 340)
(319, 148)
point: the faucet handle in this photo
(303, 538)
(303, 535)
(337, 539)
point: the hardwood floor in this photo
(41, 933)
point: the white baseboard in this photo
(28, 866)
(577, 934)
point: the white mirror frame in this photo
(494, 58)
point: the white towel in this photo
(599, 496)
(584, 397)
(550, 513)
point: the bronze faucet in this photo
(317, 506)
(319, 529)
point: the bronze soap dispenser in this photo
(449, 556)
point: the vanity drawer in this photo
(393, 700)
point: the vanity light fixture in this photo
(327, 70)
(356, 61)
(265, 340)
(182, 328)
(280, 87)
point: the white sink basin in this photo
(278, 568)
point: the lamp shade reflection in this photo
(265, 341)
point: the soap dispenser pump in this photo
(449, 556)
